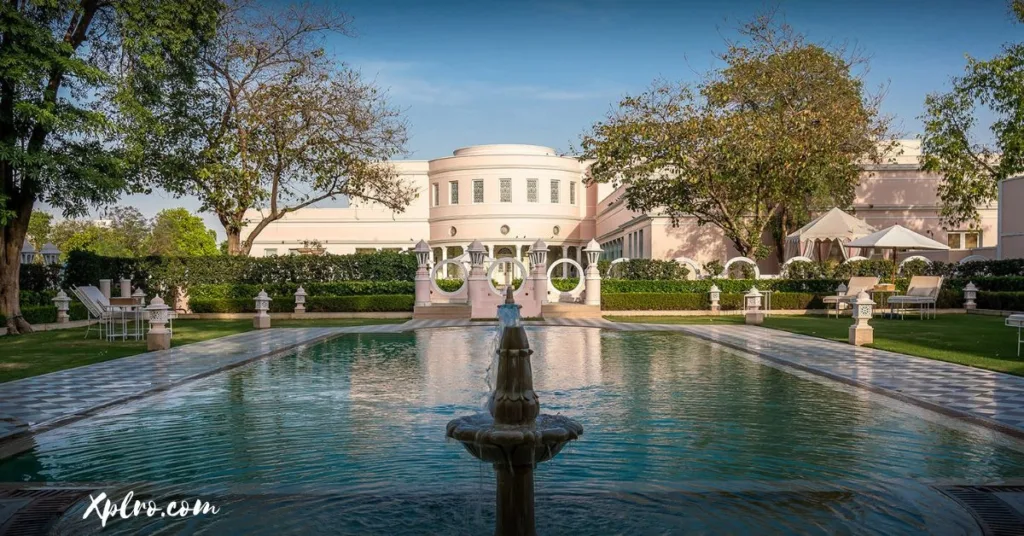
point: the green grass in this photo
(48, 351)
(973, 340)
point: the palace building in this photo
(508, 196)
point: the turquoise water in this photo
(680, 436)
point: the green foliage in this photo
(314, 304)
(971, 169)
(177, 232)
(285, 292)
(40, 225)
(650, 269)
(782, 123)
(1001, 301)
(38, 277)
(714, 267)
(656, 301)
(820, 286)
(47, 314)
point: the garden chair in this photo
(923, 292)
(855, 286)
(97, 305)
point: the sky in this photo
(541, 72)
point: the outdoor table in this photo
(123, 312)
(1016, 321)
(880, 295)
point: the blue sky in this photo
(541, 72)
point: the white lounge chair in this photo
(923, 292)
(97, 306)
(853, 288)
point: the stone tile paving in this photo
(993, 399)
(44, 400)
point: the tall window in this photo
(963, 239)
(506, 190)
(478, 190)
(453, 192)
(554, 191)
(572, 193)
(531, 190)
(435, 194)
(640, 244)
(270, 252)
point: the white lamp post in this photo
(752, 307)
(158, 337)
(539, 255)
(51, 255)
(300, 300)
(422, 288)
(715, 294)
(860, 332)
(593, 275)
(28, 253)
(262, 319)
(422, 253)
(476, 254)
(62, 301)
(970, 294)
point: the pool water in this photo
(680, 436)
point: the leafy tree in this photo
(278, 125)
(79, 83)
(784, 122)
(124, 233)
(971, 170)
(40, 225)
(178, 233)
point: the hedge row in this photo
(653, 301)
(160, 274)
(286, 291)
(47, 314)
(820, 286)
(562, 284)
(884, 268)
(387, 303)
(37, 277)
(1003, 301)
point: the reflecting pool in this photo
(681, 436)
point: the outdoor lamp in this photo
(157, 312)
(970, 294)
(62, 301)
(539, 253)
(300, 300)
(860, 332)
(841, 289)
(593, 251)
(51, 255)
(476, 253)
(715, 295)
(262, 319)
(422, 253)
(752, 306)
(139, 296)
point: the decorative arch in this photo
(973, 258)
(913, 258)
(506, 260)
(691, 264)
(433, 279)
(748, 260)
(798, 258)
(613, 263)
(577, 291)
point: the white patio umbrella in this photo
(896, 238)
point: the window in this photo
(554, 191)
(531, 190)
(365, 251)
(572, 193)
(270, 252)
(506, 190)
(478, 191)
(640, 244)
(453, 192)
(435, 194)
(963, 239)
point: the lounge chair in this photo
(923, 292)
(853, 288)
(99, 308)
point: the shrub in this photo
(286, 291)
(656, 301)
(565, 284)
(650, 269)
(314, 304)
(818, 286)
(47, 314)
(36, 277)
(1003, 301)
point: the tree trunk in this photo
(234, 240)
(11, 240)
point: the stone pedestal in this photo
(716, 309)
(970, 305)
(299, 309)
(861, 334)
(593, 288)
(514, 516)
(261, 321)
(158, 340)
(422, 287)
(62, 317)
(755, 318)
(105, 288)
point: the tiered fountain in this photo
(514, 437)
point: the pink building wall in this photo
(1011, 219)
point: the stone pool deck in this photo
(992, 399)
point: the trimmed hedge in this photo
(1003, 301)
(562, 284)
(286, 291)
(656, 301)
(819, 286)
(314, 304)
(36, 277)
(47, 314)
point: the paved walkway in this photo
(989, 398)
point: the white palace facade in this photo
(508, 196)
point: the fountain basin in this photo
(514, 445)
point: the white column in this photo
(444, 256)
(579, 257)
(519, 257)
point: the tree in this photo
(40, 225)
(278, 125)
(784, 122)
(78, 87)
(971, 170)
(124, 233)
(178, 233)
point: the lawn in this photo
(974, 340)
(48, 351)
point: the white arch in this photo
(692, 264)
(577, 291)
(613, 263)
(855, 259)
(433, 279)
(506, 260)
(972, 258)
(798, 258)
(913, 258)
(748, 260)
